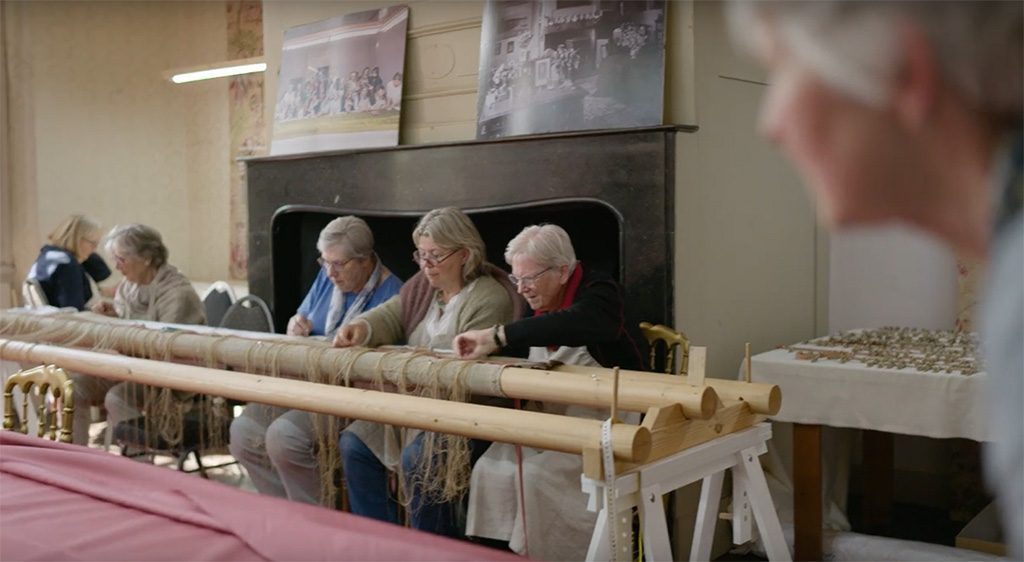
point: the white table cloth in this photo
(837, 395)
(904, 401)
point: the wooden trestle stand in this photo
(694, 428)
(684, 451)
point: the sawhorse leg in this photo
(707, 516)
(750, 499)
(600, 548)
(751, 478)
(657, 545)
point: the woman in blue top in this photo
(65, 264)
(276, 446)
(351, 280)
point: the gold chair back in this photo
(33, 295)
(670, 340)
(45, 379)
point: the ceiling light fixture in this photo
(218, 70)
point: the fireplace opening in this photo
(593, 225)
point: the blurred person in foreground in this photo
(911, 112)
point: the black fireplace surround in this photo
(612, 191)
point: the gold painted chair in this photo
(33, 295)
(42, 380)
(670, 341)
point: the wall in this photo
(746, 234)
(891, 277)
(95, 127)
(7, 281)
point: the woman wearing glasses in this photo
(579, 319)
(277, 446)
(351, 280)
(455, 291)
(65, 265)
(153, 290)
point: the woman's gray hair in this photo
(548, 245)
(137, 241)
(854, 45)
(349, 234)
(450, 228)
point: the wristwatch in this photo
(497, 340)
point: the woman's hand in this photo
(352, 334)
(475, 344)
(105, 308)
(299, 325)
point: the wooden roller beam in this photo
(630, 443)
(594, 387)
(763, 398)
(294, 356)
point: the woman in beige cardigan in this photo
(455, 291)
(152, 290)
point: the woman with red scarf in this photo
(580, 319)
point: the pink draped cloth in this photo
(65, 502)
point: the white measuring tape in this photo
(620, 526)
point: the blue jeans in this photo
(368, 495)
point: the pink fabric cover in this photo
(65, 502)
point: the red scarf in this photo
(570, 293)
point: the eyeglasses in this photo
(93, 242)
(329, 265)
(528, 280)
(430, 259)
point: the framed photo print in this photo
(570, 65)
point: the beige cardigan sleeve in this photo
(180, 305)
(385, 323)
(487, 305)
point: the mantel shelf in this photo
(506, 140)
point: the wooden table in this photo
(882, 402)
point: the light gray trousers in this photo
(89, 391)
(277, 448)
(122, 400)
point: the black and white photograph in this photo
(569, 65)
(341, 82)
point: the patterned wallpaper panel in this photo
(245, 121)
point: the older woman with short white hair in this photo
(277, 446)
(580, 319)
(913, 112)
(153, 290)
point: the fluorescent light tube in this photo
(218, 72)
